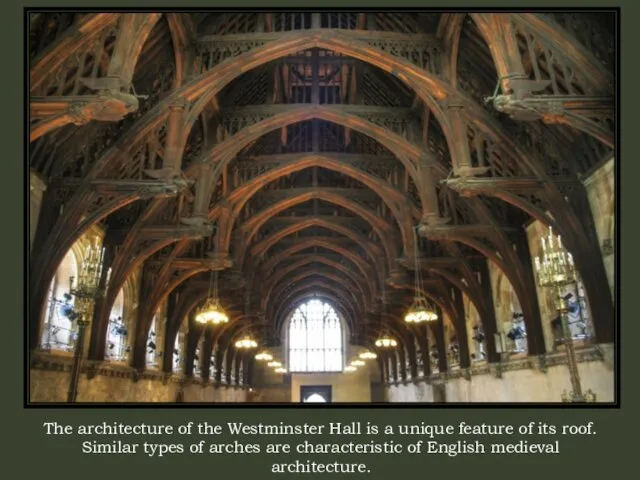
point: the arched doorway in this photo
(315, 394)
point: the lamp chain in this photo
(418, 273)
(214, 273)
(383, 308)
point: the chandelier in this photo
(264, 356)
(212, 313)
(350, 368)
(280, 370)
(556, 267)
(386, 342)
(87, 288)
(247, 342)
(274, 364)
(420, 310)
(358, 363)
(368, 355)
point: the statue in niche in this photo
(578, 316)
(479, 338)
(517, 334)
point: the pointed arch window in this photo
(152, 356)
(59, 329)
(316, 339)
(116, 348)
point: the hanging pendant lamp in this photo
(212, 313)
(264, 356)
(368, 355)
(420, 310)
(385, 340)
(247, 342)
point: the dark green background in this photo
(35, 454)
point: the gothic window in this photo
(479, 339)
(577, 315)
(212, 361)
(177, 353)
(152, 347)
(315, 339)
(58, 332)
(433, 356)
(117, 332)
(579, 323)
(197, 364)
(419, 361)
(517, 334)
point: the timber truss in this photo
(297, 152)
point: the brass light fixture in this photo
(386, 341)
(247, 342)
(274, 363)
(212, 313)
(555, 269)
(350, 368)
(358, 363)
(280, 370)
(368, 355)
(420, 310)
(264, 356)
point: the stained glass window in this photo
(315, 339)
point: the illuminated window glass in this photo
(315, 339)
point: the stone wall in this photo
(601, 192)
(517, 383)
(116, 384)
(271, 394)
(351, 387)
(272, 387)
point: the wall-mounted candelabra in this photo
(555, 270)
